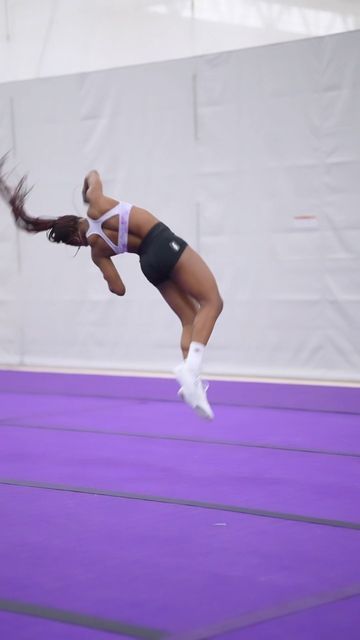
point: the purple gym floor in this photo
(124, 515)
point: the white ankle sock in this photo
(195, 357)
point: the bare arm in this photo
(110, 274)
(93, 195)
(92, 188)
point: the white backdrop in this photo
(46, 38)
(231, 150)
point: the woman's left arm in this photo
(110, 274)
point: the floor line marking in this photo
(292, 517)
(81, 620)
(175, 400)
(151, 436)
(272, 613)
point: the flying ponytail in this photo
(15, 198)
(62, 229)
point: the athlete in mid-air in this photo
(167, 261)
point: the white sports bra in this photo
(95, 226)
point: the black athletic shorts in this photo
(159, 252)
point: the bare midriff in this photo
(140, 223)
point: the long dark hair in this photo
(62, 229)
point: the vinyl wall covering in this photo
(253, 156)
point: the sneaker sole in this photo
(199, 410)
(204, 414)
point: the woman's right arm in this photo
(92, 188)
(93, 196)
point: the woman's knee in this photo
(214, 304)
(220, 304)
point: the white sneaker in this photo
(202, 406)
(187, 382)
(193, 392)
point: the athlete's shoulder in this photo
(98, 209)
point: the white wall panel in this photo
(232, 151)
(271, 150)
(10, 282)
(135, 126)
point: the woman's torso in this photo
(139, 224)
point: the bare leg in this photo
(185, 308)
(194, 278)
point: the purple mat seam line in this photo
(293, 517)
(259, 617)
(151, 436)
(82, 620)
(214, 403)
